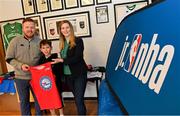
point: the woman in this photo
(75, 69)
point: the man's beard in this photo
(27, 36)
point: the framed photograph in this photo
(71, 4)
(28, 7)
(9, 30)
(86, 3)
(80, 22)
(102, 14)
(38, 23)
(56, 5)
(124, 9)
(102, 1)
(42, 6)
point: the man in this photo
(23, 52)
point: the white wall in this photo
(96, 47)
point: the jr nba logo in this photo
(149, 62)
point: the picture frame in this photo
(9, 30)
(28, 7)
(103, 1)
(84, 3)
(102, 14)
(124, 9)
(56, 5)
(42, 6)
(3, 67)
(38, 24)
(80, 22)
(71, 4)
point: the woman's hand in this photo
(57, 60)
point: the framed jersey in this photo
(10, 29)
(124, 9)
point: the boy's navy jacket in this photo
(56, 68)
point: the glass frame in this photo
(56, 5)
(37, 20)
(71, 4)
(102, 15)
(2, 28)
(103, 1)
(84, 3)
(80, 22)
(28, 7)
(42, 6)
(118, 12)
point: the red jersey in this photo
(44, 87)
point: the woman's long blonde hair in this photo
(62, 38)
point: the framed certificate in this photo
(42, 6)
(103, 1)
(102, 14)
(28, 7)
(71, 4)
(56, 5)
(86, 3)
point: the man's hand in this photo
(25, 67)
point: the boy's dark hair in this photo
(27, 20)
(44, 42)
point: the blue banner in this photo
(142, 67)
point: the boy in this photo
(47, 56)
